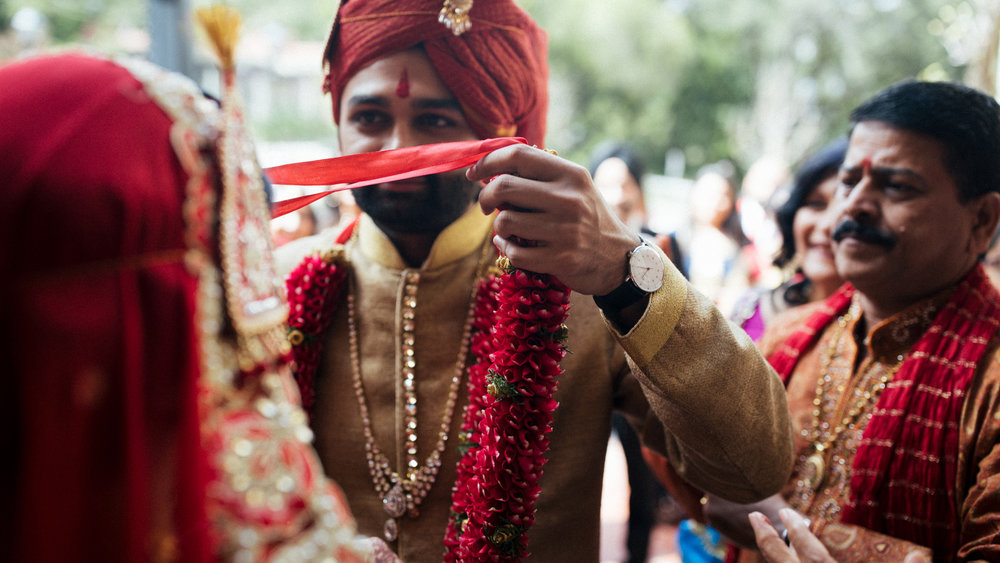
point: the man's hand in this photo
(730, 518)
(803, 545)
(552, 220)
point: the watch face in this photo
(646, 268)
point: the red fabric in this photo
(786, 356)
(497, 69)
(98, 308)
(945, 360)
(314, 293)
(911, 475)
(366, 169)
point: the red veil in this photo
(149, 410)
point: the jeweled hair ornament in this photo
(455, 15)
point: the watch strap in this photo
(620, 297)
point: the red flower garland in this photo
(482, 323)
(313, 290)
(518, 343)
(510, 412)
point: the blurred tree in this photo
(307, 21)
(970, 33)
(734, 79)
(812, 62)
(615, 72)
(740, 79)
(93, 22)
(7, 42)
(714, 84)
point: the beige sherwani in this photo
(725, 423)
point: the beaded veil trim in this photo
(266, 497)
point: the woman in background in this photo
(713, 242)
(805, 251)
(808, 257)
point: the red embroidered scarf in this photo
(906, 463)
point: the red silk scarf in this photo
(904, 464)
(366, 169)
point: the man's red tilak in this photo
(403, 87)
(497, 70)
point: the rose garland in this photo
(518, 344)
(509, 414)
(482, 340)
(314, 288)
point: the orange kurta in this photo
(835, 356)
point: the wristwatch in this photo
(643, 275)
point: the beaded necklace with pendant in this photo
(401, 492)
(814, 466)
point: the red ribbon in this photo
(366, 169)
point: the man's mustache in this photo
(863, 231)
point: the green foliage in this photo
(73, 21)
(714, 86)
(288, 125)
(308, 21)
(726, 79)
(717, 79)
(613, 72)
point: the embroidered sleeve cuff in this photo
(658, 322)
(854, 543)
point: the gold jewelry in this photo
(455, 15)
(402, 495)
(815, 465)
(255, 294)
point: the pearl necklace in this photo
(402, 495)
(866, 394)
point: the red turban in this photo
(497, 68)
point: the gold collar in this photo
(461, 238)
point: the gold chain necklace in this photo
(403, 494)
(814, 471)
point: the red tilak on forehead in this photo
(403, 87)
(866, 165)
